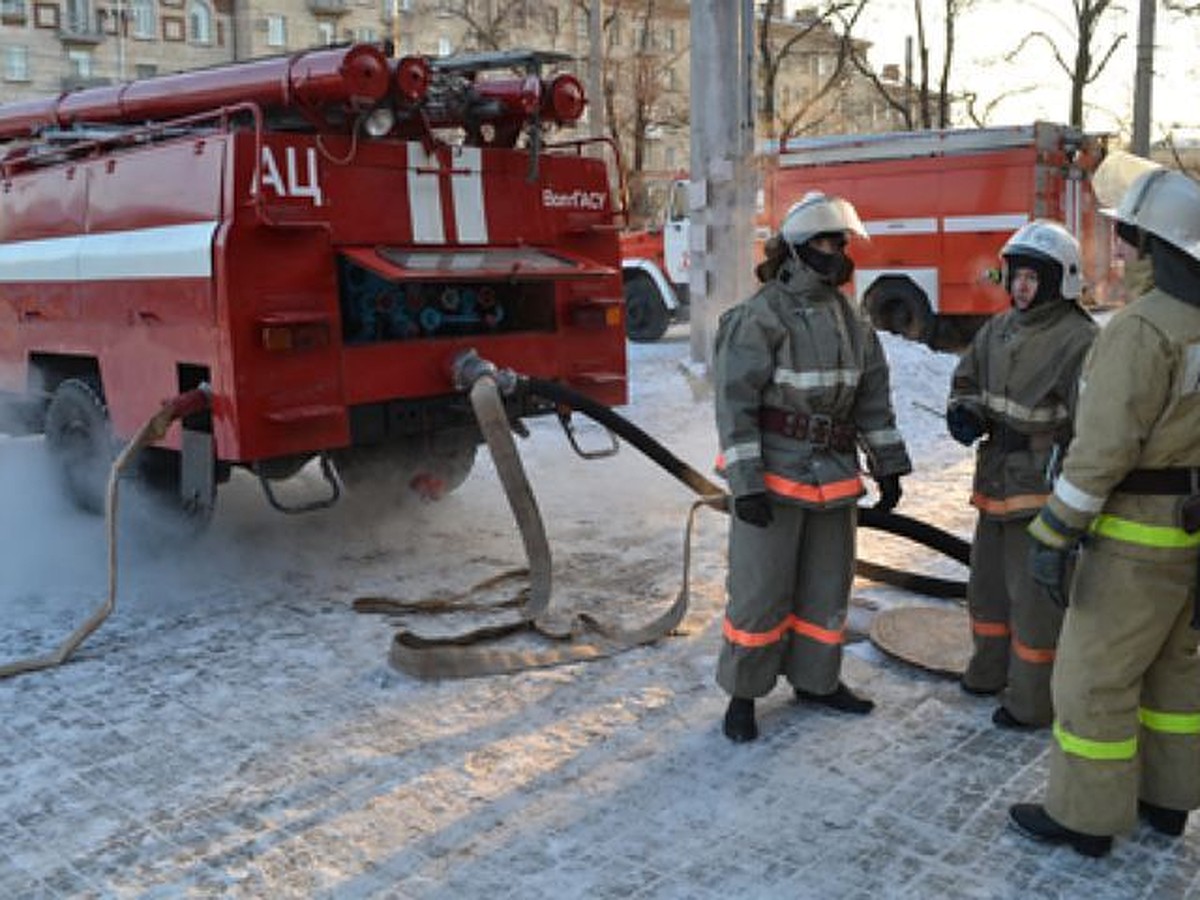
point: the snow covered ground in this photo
(234, 728)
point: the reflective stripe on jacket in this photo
(1139, 409)
(1020, 375)
(798, 345)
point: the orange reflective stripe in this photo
(814, 493)
(1032, 654)
(791, 623)
(990, 629)
(754, 638)
(817, 633)
(998, 507)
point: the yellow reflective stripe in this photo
(1170, 723)
(1051, 537)
(1089, 749)
(1148, 535)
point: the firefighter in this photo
(1126, 683)
(801, 383)
(1015, 387)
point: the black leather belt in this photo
(1161, 482)
(820, 431)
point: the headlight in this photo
(380, 121)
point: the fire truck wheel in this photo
(646, 317)
(899, 306)
(79, 440)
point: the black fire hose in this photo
(893, 523)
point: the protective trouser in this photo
(789, 585)
(1014, 625)
(1126, 692)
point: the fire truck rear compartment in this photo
(375, 308)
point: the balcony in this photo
(13, 12)
(79, 31)
(328, 7)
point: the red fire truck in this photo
(314, 238)
(654, 269)
(939, 205)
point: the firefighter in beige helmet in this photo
(1126, 684)
(801, 385)
(1015, 388)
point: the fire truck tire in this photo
(646, 316)
(899, 306)
(79, 439)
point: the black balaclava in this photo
(1049, 275)
(836, 267)
(1175, 272)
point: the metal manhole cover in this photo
(934, 638)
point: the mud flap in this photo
(197, 472)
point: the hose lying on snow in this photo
(578, 638)
(584, 637)
(153, 430)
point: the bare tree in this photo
(774, 57)
(1084, 68)
(489, 24)
(637, 98)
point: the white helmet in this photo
(1166, 204)
(1050, 242)
(818, 214)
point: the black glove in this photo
(753, 509)
(965, 426)
(1048, 566)
(889, 492)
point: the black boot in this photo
(1032, 820)
(740, 726)
(1170, 822)
(978, 691)
(842, 699)
(1002, 718)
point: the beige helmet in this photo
(818, 214)
(1166, 204)
(1050, 242)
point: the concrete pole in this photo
(1143, 78)
(722, 188)
(596, 68)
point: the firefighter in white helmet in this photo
(801, 385)
(1126, 682)
(1015, 388)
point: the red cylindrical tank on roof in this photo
(356, 75)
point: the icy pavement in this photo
(234, 729)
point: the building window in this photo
(276, 31)
(79, 16)
(670, 79)
(669, 37)
(16, 63)
(145, 70)
(364, 35)
(79, 63)
(443, 46)
(143, 23)
(12, 11)
(200, 19)
(326, 33)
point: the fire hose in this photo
(154, 429)
(583, 636)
